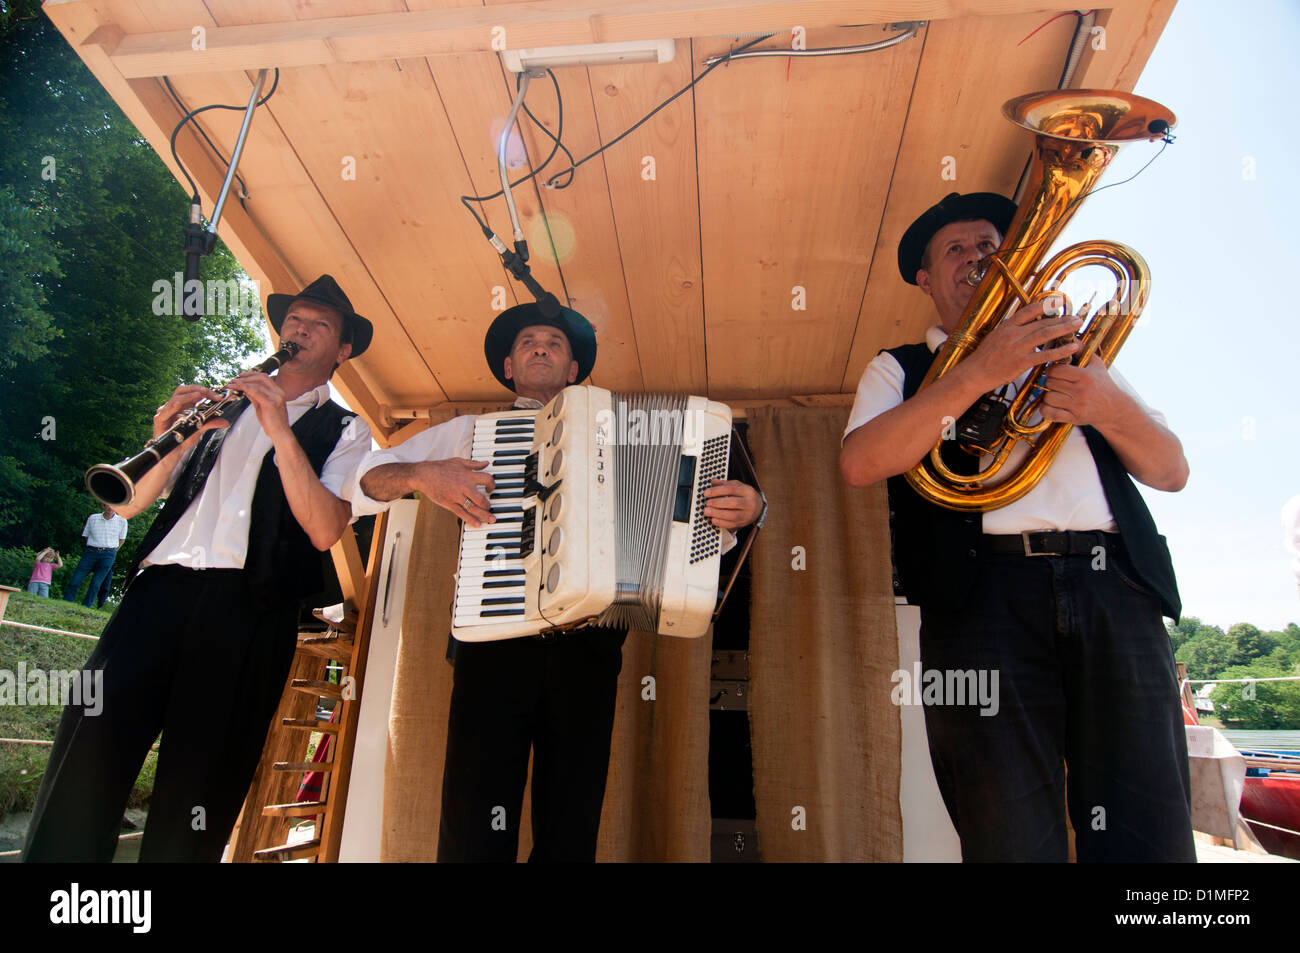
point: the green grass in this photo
(22, 766)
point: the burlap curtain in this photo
(823, 647)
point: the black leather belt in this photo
(1068, 543)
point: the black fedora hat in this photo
(324, 290)
(954, 207)
(500, 338)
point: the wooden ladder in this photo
(270, 810)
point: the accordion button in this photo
(556, 503)
(557, 433)
(556, 462)
(554, 545)
(553, 579)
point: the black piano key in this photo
(504, 572)
(490, 613)
(503, 601)
(503, 583)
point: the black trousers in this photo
(555, 696)
(193, 655)
(1085, 680)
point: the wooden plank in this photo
(574, 226)
(284, 852)
(794, 175)
(347, 564)
(304, 767)
(1131, 33)
(299, 809)
(397, 35)
(414, 182)
(332, 650)
(317, 687)
(955, 140)
(311, 724)
(656, 215)
(296, 178)
(319, 242)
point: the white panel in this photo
(364, 817)
(928, 834)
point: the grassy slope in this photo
(21, 766)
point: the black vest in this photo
(281, 563)
(936, 550)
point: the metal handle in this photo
(388, 581)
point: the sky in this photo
(1216, 349)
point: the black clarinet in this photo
(115, 484)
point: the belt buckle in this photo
(1029, 549)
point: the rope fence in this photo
(41, 628)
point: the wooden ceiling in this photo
(776, 181)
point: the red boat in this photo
(1270, 800)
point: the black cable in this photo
(571, 171)
(554, 135)
(194, 190)
(550, 183)
(466, 199)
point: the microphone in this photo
(192, 305)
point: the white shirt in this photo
(454, 438)
(1069, 496)
(213, 533)
(104, 533)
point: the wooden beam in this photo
(388, 36)
(261, 252)
(348, 565)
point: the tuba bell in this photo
(1078, 132)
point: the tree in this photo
(1186, 629)
(1251, 643)
(1207, 654)
(1258, 705)
(90, 221)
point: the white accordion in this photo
(599, 516)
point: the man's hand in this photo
(1084, 396)
(732, 504)
(1089, 396)
(181, 400)
(1012, 347)
(268, 402)
(453, 484)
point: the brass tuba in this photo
(1078, 131)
